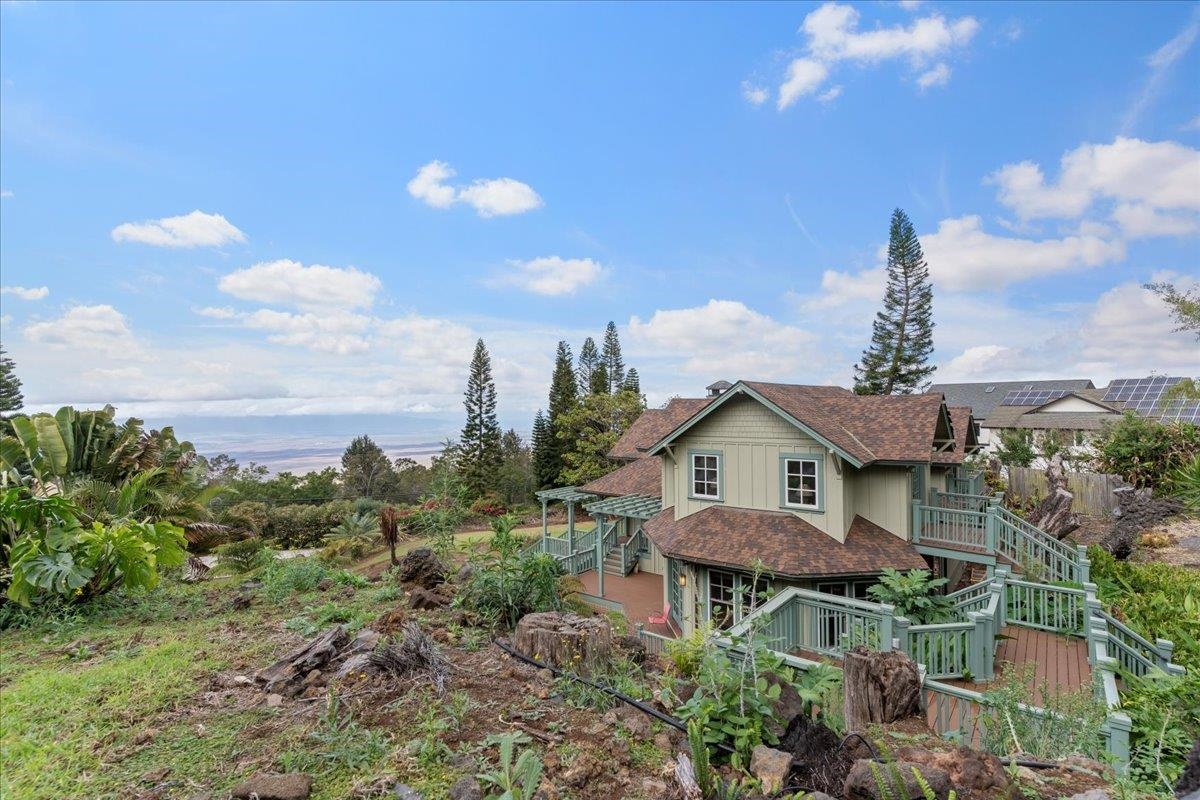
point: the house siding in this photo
(882, 495)
(751, 439)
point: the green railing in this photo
(579, 562)
(994, 530)
(961, 501)
(632, 550)
(1046, 607)
(801, 619)
(1132, 652)
(972, 598)
(951, 527)
(1027, 545)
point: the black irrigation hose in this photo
(638, 704)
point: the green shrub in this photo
(246, 555)
(1157, 600)
(284, 577)
(1184, 484)
(301, 526)
(53, 555)
(507, 583)
(246, 517)
(1144, 451)
(1165, 711)
(916, 594)
(1072, 726)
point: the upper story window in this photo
(802, 483)
(706, 476)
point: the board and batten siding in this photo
(653, 562)
(751, 440)
(883, 495)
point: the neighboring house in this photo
(985, 401)
(1075, 410)
(814, 483)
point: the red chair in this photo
(660, 620)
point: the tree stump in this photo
(879, 687)
(568, 641)
(1053, 515)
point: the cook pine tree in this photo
(610, 356)
(11, 398)
(480, 454)
(542, 444)
(897, 360)
(589, 362)
(564, 395)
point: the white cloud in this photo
(429, 185)
(804, 76)
(1164, 175)
(828, 96)
(26, 293)
(6, 193)
(490, 197)
(196, 229)
(1192, 125)
(214, 312)
(288, 282)
(1161, 63)
(962, 256)
(832, 36)
(98, 327)
(754, 95)
(840, 288)
(551, 276)
(1141, 220)
(938, 76)
(726, 338)
(1130, 331)
(910, 5)
(338, 332)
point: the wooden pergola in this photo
(571, 496)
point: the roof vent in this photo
(718, 388)
(989, 390)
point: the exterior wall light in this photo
(682, 579)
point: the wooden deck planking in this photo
(1059, 661)
(640, 595)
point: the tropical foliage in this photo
(508, 583)
(916, 594)
(1146, 452)
(51, 553)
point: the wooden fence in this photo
(1093, 490)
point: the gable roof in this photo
(655, 423)
(786, 544)
(861, 429)
(965, 440)
(641, 476)
(982, 398)
(1039, 417)
(1093, 397)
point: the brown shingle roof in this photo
(642, 476)
(655, 423)
(869, 428)
(961, 419)
(786, 544)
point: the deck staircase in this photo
(612, 562)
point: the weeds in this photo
(342, 743)
(516, 779)
(1069, 725)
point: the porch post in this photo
(570, 527)
(982, 652)
(600, 553)
(900, 629)
(545, 528)
(916, 521)
(1085, 563)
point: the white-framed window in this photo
(706, 476)
(801, 482)
(721, 594)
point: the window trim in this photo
(816, 458)
(691, 476)
(738, 601)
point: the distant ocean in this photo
(303, 443)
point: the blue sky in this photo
(304, 209)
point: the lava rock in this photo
(770, 767)
(899, 781)
(421, 568)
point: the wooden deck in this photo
(1060, 662)
(640, 595)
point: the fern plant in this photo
(916, 594)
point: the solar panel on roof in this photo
(1032, 397)
(1145, 396)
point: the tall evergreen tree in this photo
(897, 361)
(480, 455)
(11, 398)
(633, 383)
(543, 446)
(589, 359)
(614, 365)
(599, 380)
(564, 395)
